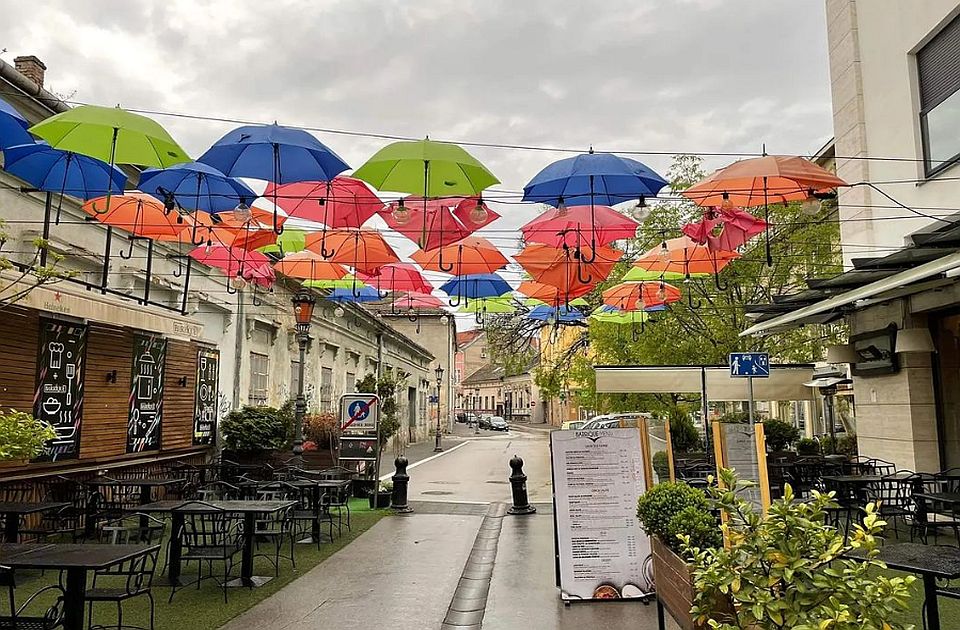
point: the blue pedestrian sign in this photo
(358, 413)
(749, 364)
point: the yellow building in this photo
(555, 354)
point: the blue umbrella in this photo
(274, 153)
(54, 170)
(196, 186)
(13, 127)
(365, 293)
(471, 287)
(545, 313)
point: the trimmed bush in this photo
(254, 430)
(780, 435)
(661, 504)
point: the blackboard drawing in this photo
(71, 374)
(144, 427)
(58, 397)
(145, 375)
(56, 354)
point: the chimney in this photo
(30, 67)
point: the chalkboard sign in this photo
(58, 398)
(205, 398)
(146, 393)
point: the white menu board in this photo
(597, 478)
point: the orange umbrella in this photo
(683, 256)
(551, 295)
(566, 268)
(307, 265)
(142, 215)
(363, 249)
(636, 296)
(468, 256)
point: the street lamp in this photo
(438, 447)
(476, 402)
(303, 303)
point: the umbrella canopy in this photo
(566, 268)
(196, 186)
(682, 258)
(425, 167)
(342, 202)
(571, 225)
(762, 180)
(428, 223)
(307, 265)
(234, 261)
(492, 305)
(274, 153)
(143, 216)
(468, 256)
(636, 296)
(398, 277)
(471, 287)
(358, 294)
(551, 295)
(560, 314)
(474, 213)
(13, 127)
(111, 134)
(364, 250)
(53, 170)
(287, 243)
(416, 301)
(593, 178)
(608, 315)
(349, 281)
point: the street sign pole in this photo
(750, 398)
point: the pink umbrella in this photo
(570, 226)
(431, 225)
(474, 213)
(413, 300)
(341, 202)
(397, 277)
(739, 227)
(234, 261)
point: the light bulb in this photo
(810, 206)
(401, 214)
(242, 213)
(641, 211)
(664, 253)
(726, 204)
(662, 292)
(338, 311)
(208, 247)
(479, 214)
(561, 208)
(238, 282)
(444, 319)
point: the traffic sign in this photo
(749, 364)
(359, 412)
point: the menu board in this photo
(205, 398)
(146, 393)
(736, 447)
(58, 398)
(597, 478)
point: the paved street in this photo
(411, 565)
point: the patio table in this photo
(315, 487)
(931, 562)
(248, 509)
(76, 560)
(146, 485)
(13, 510)
(852, 485)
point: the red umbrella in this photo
(571, 226)
(566, 267)
(397, 277)
(469, 256)
(234, 261)
(414, 300)
(474, 213)
(430, 225)
(636, 296)
(339, 203)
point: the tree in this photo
(510, 342)
(386, 389)
(30, 275)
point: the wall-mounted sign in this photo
(58, 398)
(358, 448)
(205, 398)
(146, 393)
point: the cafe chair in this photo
(339, 500)
(951, 479)
(207, 537)
(134, 529)
(18, 619)
(277, 527)
(122, 582)
(930, 515)
(66, 523)
(219, 491)
(892, 495)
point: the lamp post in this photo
(303, 304)
(476, 415)
(438, 447)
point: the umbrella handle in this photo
(413, 316)
(478, 317)
(580, 277)
(593, 252)
(441, 266)
(277, 228)
(96, 210)
(383, 294)
(720, 287)
(179, 270)
(693, 306)
(454, 303)
(128, 254)
(256, 299)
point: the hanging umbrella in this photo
(196, 186)
(610, 315)
(562, 314)
(470, 287)
(567, 268)
(415, 301)
(570, 226)
(738, 228)
(429, 223)
(761, 181)
(349, 281)
(307, 265)
(683, 258)
(342, 202)
(363, 249)
(13, 127)
(474, 213)
(493, 305)
(427, 168)
(231, 260)
(398, 277)
(472, 255)
(276, 154)
(287, 243)
(551, 295)
(143, 216)
(631, 296)
(357, 295)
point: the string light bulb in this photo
(401, 214)
(641, 211)
(479, 214)
(338, 311)
(662, 292)
(238, 282)
(242, 212)
(810, 205)
(726, 203)
(664, 253)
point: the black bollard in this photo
(400, 482)
(518, 482)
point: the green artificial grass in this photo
(204, 609)
(949, 608)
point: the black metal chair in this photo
(124, 580)
(277, 527)
(338, 499)
(219, 491)
(892, 496)
(929, 515)
(66, 522)
(207, 536)
(18, 619)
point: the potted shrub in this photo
(779, 435)
(250, 432)
(661, 465)
(668, 512)
(22, 437)
(786, 569)
(807, 447)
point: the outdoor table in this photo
(146, 485)
(931, 562)
(13, 510)
(249, 510)
(315, 487)
(77, 560)
(858, 483)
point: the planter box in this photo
(384, 501)
(674, 584)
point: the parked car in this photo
(572, 424)
(462, 417)
(497, 423)
(485, 421)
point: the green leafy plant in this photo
(843, 444)
(694, 523)
(787, 569)
(780, 435)
(683, 433)
(808, 446)
(658, 508)
(735, 417)
(386, 389)
(661, 465)
(254, 430)
(22, 436)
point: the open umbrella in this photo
(470, 287)
(561, 314)
(416, 301)
(551, 295)
(682, 257)
(307, 265)
(233, 261)
(570, 225)
(13, 127)
(429, 223)
(610, 315)
(363, 249)
(276, 154)
(349, 281)
(427, 168)
(565, 267)
(196, 186)
(397, 277)
(287, 243)
(143, 216)
(356, 295)
(471, 255)
(629, 296)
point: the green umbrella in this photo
(574, 302)
(288, 242)
(636, 274)
(347, 282)
(489, 305)
(619, 317)
(113, 135)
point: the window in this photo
(326, 388)
(259, 365)
(351, 384)
(938, 72)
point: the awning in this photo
(786, 382)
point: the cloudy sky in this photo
(638, 75)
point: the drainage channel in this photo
(470, 599)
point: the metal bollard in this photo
(400, 482)
(518, 483)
